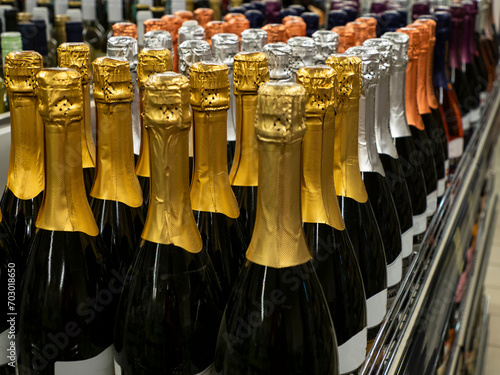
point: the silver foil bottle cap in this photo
(123, 47)
(224, 48)
(327, 43)
(370, 60)
(384, 48)
(400, 43)
(279, 56)
(190, 30)
(253, 40)
(303, 52)
(191, 52)
(159, 39)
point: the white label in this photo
(441, 187)
(375, 309)
(395, 271)
(475, 116)
(407, 242)
(419, 223)
(4, 347)
(466, 121)
(352, 353)
(431, 203)
(101, 364)
(455, 148)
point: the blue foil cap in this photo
(74, 32)
(287, 12)
(312, 22)
(256, 18)
(352, 13)
(390, 21)
(337, 18)
(237, 10)
(379, 29)
(41, 37)
(248, 6)
(260, 6)
(298, 8)
(443, 29)
(403, 17)
(28, 35)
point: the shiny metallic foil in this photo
(77, 56)
(125, 29)
(151, 61)
(278, 239)
(64, 206)
(26, 178)
(431, 95)
(210, 188)
(251, 70)
(346, 38)
(348, 182)
(275, 32)
(422, 101)
(115, 175)
(167, 118)
(154, 24)
(319, 199)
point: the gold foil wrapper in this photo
(278, 239)
(77, 56)
(151, 61)
(346, 173)
(112, 80)
(319, 199)
(250, 71)
(167, 118)
(26, 175)
(65, 206)
(210, 188)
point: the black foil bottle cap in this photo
(74, 32)
(11, 19)
(29, 33)
(41, 37)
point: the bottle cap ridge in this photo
(112, 80)
(320, 83)
(251, 70)
(20, 71)
(209, 86)
(348, 70)
(75, 56)
(152, 61)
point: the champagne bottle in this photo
(224, 48)
(295, 26)
(253, 40)
(277, 304)
(356, 209)
(183, 304)
(279, 56)
(372, 170)
(71, 287)
(250, 72)
(22, 197)
(416, 125)
(151, 61)
(93, 32)
(116, 194)
(333, 255)
(385, 146)
(360, 31)
(159, 39)
(77, 56)
(303, 52)
(212, 199)
(326, 43)
(276, 32)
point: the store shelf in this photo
(414, 331)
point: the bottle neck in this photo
(397, 123)
(278, 239)
(26, 164)
(369, 160)
(412, 116)
(422, 101)
(115, 178)
(88, 145)
(143, 167)
(347, 176)
(467, 38)
(170, 218)
(210, 187)
(440, 50)
(65, 206)
(319, 199)
(431, 95)
(385, 144)
(455, 44)
(245, 169)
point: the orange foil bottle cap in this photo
(203, 16)
(213, 28)
(230, 16)
(291, 18)
(236, 26)
(154, 24)
(295, 28)
(360, 31)
(185, 15)
(424, 39)
(172, 24)
(346, 38)
(371, 24)
(413, 43)
(276, 32)
(125, 29)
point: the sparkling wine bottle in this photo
(279, 57)
(303, 52)
(253, 40)
(277, 304)
(326, 43)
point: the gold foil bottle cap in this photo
(320, 83)
(60, 95)
(280, 112)
(346, 38)
(204, 16)
(276, 32)
(209, 86)
(125, 29)
(173, 24)
(167, 100)
(75, 56)
(20, 70)
(23, 17)
(250, 71)
(348, 70)
(112, 80)
(152, 61)
(414, 34)
(154, 24)
(61, 19)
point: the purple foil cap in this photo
(441, 8)
(337, 18)
(390, 21)
(470, 21)
(455, 54)
(352, 4)
(352, 13)
(336, 5)
(287, 12)
(420, 9)
(273, 11)
(378, 7)
(256, 18)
